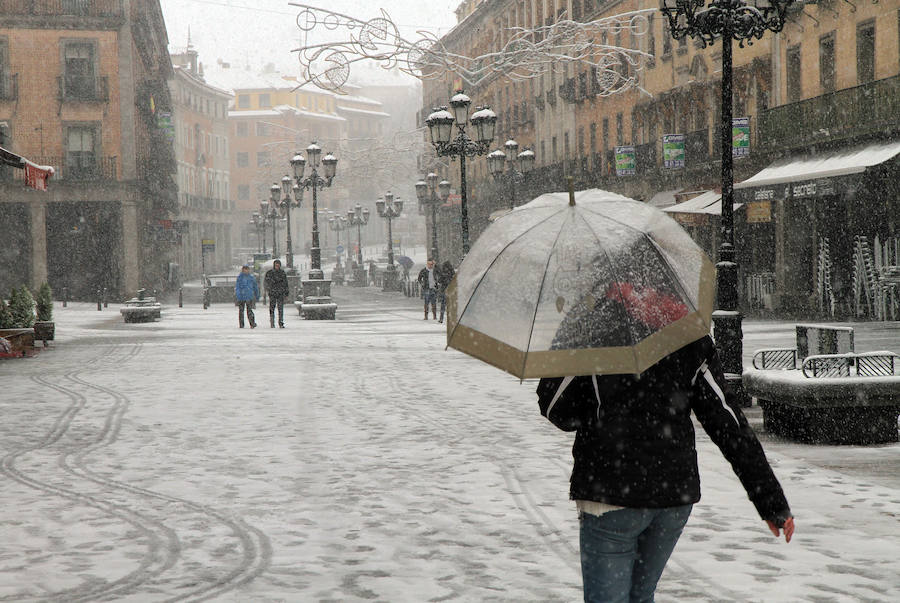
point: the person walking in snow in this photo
(635, 476)
(445, 275)
(246, 294)
(277, 288)
(428, 281)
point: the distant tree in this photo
(6, 318)
(21, 306)
(44, 301)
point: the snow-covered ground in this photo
(358, 459)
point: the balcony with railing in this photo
(9, 86)
(859, 111)
(696, 147)
(85, 169)
(645, 157)
(83, 88)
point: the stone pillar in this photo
(38, 211)
(131, 247)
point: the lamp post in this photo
(389, 208)
(519, 166)
(316, 291)
(440, 128)
(291, 196)
(729, 20)
(358, 217)
(260, 224)
(426, 192)
(338, 224)
(268, 212)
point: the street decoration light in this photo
(268, 212)
(728, 20)
(291, 196)
(314, 181)
(358, 217)
(426, 193)
(259, 223)
(389, 209)
(519, 166)
(440, 130)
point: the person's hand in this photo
(788, 528)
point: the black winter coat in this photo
(634, 438)
(276, 283)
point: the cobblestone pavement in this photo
(358, 460)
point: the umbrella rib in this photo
(488, 269)
(537, 303)
(612, 269)
(666, 266)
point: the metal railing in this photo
(83, 88)
(775, 358)
(870, 364)
(101, 169)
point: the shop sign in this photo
(692, 219)
(208, 245)
(625, 160)
(164, 123)
(673, 150)
(740, 137)
(759, 212)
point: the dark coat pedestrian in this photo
(277, 288)
(428, 282)
(635, 473)
(444, 276)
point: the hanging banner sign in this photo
(625, 161)
(164, 123)
(740, 137)
(673, 150)
(208, 245)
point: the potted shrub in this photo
(44, 327)
(21, 306)
(6, 318)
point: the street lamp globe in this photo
(286, 185)
(330, 164)
(431, 179)
(512, 149)
(379, 207)
(421, 191)
(496, 162)
(274, 191)
(484, 120)
(313, 151)
(526, 160)
(444, 190)
(459, 105)
(440, 126)
(298, 165)
(264, 208)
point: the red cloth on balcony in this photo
(36, 176)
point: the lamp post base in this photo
(391, 279)
(315, 299)
(728, 335)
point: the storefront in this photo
(816, 209)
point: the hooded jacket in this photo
(245, 288)
(634, 437)
(276, 283)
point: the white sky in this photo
(257, 32)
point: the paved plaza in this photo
(359, 460)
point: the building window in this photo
(262, 159)
(243, 101)
(826, 62)
(605, 133)
(553, 149)
(263, 129)
(242, 159)
(5, 80)
(81, 156)
(620, 130)
(794, 74)
(243, 192)
(593, 138)
(865, 52)
(241, 129)
(79, 74)
(265, 101)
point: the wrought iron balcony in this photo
(645, 157)
(83, 88)
(9, 86)
(862, 110)
(67, 169)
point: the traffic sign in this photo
(340, 249)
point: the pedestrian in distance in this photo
(445, 275)
(277, 288)
(635, 476)
(428, 281)
(246, 294)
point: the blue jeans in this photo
(624, 552)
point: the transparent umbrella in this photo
(588, 283)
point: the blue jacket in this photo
(245, 288)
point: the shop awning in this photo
(709, 202)
(663, 198)
(823, 165)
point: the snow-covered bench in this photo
(141, 309)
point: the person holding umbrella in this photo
(609, 302)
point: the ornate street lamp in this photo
(728, 20)
(260, 224)
(338, 224)
(291, 197)
(440, 129)
(268, 212)
(426, 192)
(519, 166)
(314, 181)
(358, 217)
(389, 208)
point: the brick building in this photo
(829, 83)
(81, 88)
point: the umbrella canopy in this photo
(405, 261)
(608, 285)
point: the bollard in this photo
(65, 297)
(99, 300)
(105, 298)
(180, 297)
